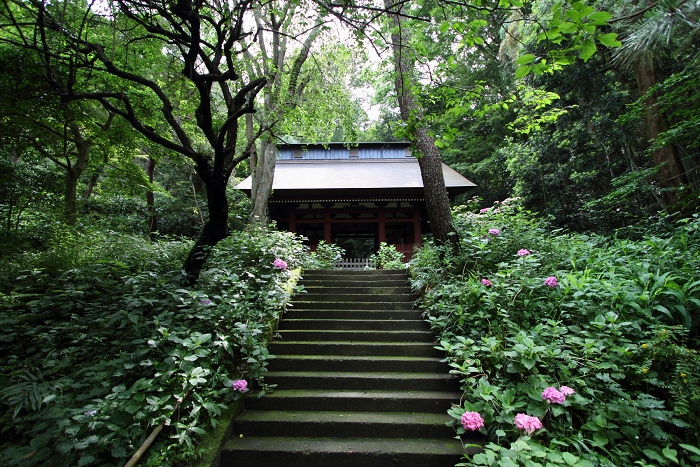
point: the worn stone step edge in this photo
(355, 335)
(365, 298)
(359, 381)
(354, 272)
(354, 305)
(407, 364)
(356, 348)
(353, 284)
(342, 424)
(370, 400)
(293, 313)
(354, 445)
(353, 325)
(357, 289)
(310, 375)
(381, 418)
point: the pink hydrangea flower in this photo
(472, 421)
(481, 211)
(551, 281)
(280, 264)
(486, 282)
(240, 385)
(566, 390)
(553, 395)
(494, 232)
(527, 423)
(523, 252)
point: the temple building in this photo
(353, 197)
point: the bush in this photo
(326, 256)
(521, 310)
(105, 351)
(388, 257)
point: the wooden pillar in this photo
(381, 218)
(416, 227)
(327, 223)
(293, 219)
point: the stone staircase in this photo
(358, 382)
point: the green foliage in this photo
(572, 30)
(326, 256)
(620, 325)
(97, 354)
(388, 257)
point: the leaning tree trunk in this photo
(665, 158)
(215, 229)
(436, 199)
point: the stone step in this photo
(355, 324)
(351, 297)
(383, 349)
(357, 381)
(335, 289)
(352, 283)
(355, 401)
(341, 452)
(343, 424)
(351, 305)
(294, 313)
(367, 274)
(353, 335)
(357, 363)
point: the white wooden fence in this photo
(355, 263)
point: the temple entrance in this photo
(359, 240)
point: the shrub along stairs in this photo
(358, 382)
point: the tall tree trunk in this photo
(71, 195)
(73, 174)
(436, 199)
(150, 198)
(263, 177)
(666, 158)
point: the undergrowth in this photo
(521, 309)
(98, 353)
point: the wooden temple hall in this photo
(353, 197)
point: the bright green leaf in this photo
(522, 70)
(588, 48)
(609, 40)
(527, 58)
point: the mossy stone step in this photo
(357, 363)
(355, 324)
(363, 335)
(356, 401)
(354, 283)
(353, 314)
(366, 274)
(357, 379)
(361, 380)
(373, 289)
(344, 296)
(415, 349)
(342, 452)
(357, 304)
(343, 424)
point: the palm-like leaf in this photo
(667, 28)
